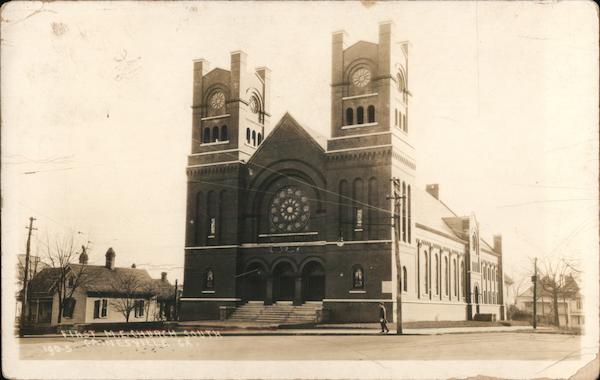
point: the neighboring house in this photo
(36, 265)
(100, 296)
(570, 308)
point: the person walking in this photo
(383, 319)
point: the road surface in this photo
(474, 346)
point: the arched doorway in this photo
(313, 279)
(254, 282)
(476, 299)
(283, 282)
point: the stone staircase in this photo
(279, 313)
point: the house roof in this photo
(163, 288)
(99, 279)
(431, 212)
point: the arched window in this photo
(215, 134)
(455, 271)
(426, 273)
(206, 138)
(371, 114)
(437, 275)
(463, 279)
(404, 279)
(349, 116)
(360, 115)
(409, 216)
(209, 279)
(404, 125)
(372, 211)
(248, 135)
(254, 138)
(396, 119)
(343, 209)
(446, 275)
(358, 277)
(404, 212)
(224, 136)
(259, 138)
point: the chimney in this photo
(110, 259)
(163, 276)
(83, 257)
(133, 266)
(434, 190)
(498, 243)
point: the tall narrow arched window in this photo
(403, 212)
(409, 201)
(349, 116)
(224, 135)
(248, 135)
(215, 134)
(259, 138)
(343, 209)
(357, 196)
(455, 271)
(396, 118)
(254, 138)
(358, 277)
(209, 279)
(372, 210)
(371, 114)
(360, 115)
(463, 278)
(405, 126)
(404, 279)
(199, 218)
(206, 137)
(221, 217)
(437, 275)
(426, 277)
(211, 214)
(446, 276)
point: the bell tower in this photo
(369, 95)
(230, 111)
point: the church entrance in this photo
(283, 282)
(255, 284)
(313, 279)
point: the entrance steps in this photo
(278, 313)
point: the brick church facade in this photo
(278, 214)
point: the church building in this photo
(277, 215)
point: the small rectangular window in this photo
(96, 309)
(104, 311)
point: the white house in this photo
(98, 294)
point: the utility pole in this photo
(397, 199)
(26, 278)
(534, 279)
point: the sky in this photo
(96, 103)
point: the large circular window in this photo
(290, 210)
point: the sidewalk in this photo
(228, 328)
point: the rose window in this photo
(290, 210)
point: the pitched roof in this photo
(163, 288)
(431, 212)
(98, 279)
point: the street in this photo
(473, 346)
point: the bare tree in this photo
(558, 281)
(128, 288)
(61, 254)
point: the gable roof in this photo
(432, 212)
(287, 121)
(98, 279)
